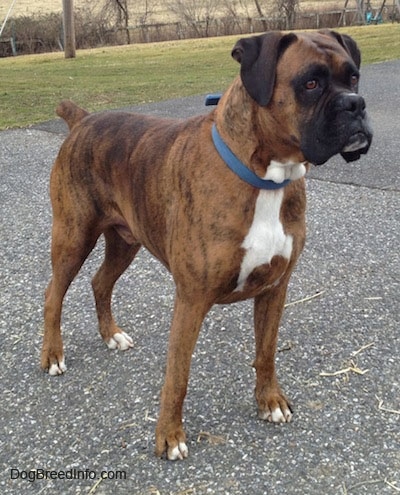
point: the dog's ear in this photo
(258, 57)
(348, 44)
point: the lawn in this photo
(31, 86)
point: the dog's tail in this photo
(71, 113)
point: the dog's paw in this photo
(178, 453)
(120, 341)
(275, 409)
(57, 368)
(277, 415)
(172, 445)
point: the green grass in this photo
(31, 86)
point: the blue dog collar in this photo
(239, 168)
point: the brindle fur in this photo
(159, 183)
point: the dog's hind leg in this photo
(118, 256)
(70, 247)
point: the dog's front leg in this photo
(187, 319)
(268, 308)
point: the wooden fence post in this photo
(69, 29)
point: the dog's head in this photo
(308, 84)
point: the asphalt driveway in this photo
(339, 358)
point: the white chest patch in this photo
(266, 237)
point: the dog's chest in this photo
(265, 240)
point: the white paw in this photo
(277, 415)
(57, 368)
(179, 452)
(120, 341)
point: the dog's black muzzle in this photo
(342, 126)
(360, 133)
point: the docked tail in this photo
(71, 113)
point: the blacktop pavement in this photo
(339, 358)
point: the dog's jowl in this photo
(219, 199)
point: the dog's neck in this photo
(279, 174)
(260, 151)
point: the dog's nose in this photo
(350, 102)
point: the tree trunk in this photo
(123, 7)
(260, 13)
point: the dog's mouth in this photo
(350, 139)
(357, 145)
(356, 142)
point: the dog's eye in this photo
(354, 80)
(311, 84)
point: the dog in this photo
(219, 199)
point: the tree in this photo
(236, 10)
(288, 9)
(195, 12)
(121, 7)
(285, 8)
(118, 11)
(128, 13)
(261, 14)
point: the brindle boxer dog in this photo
(219, 199)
